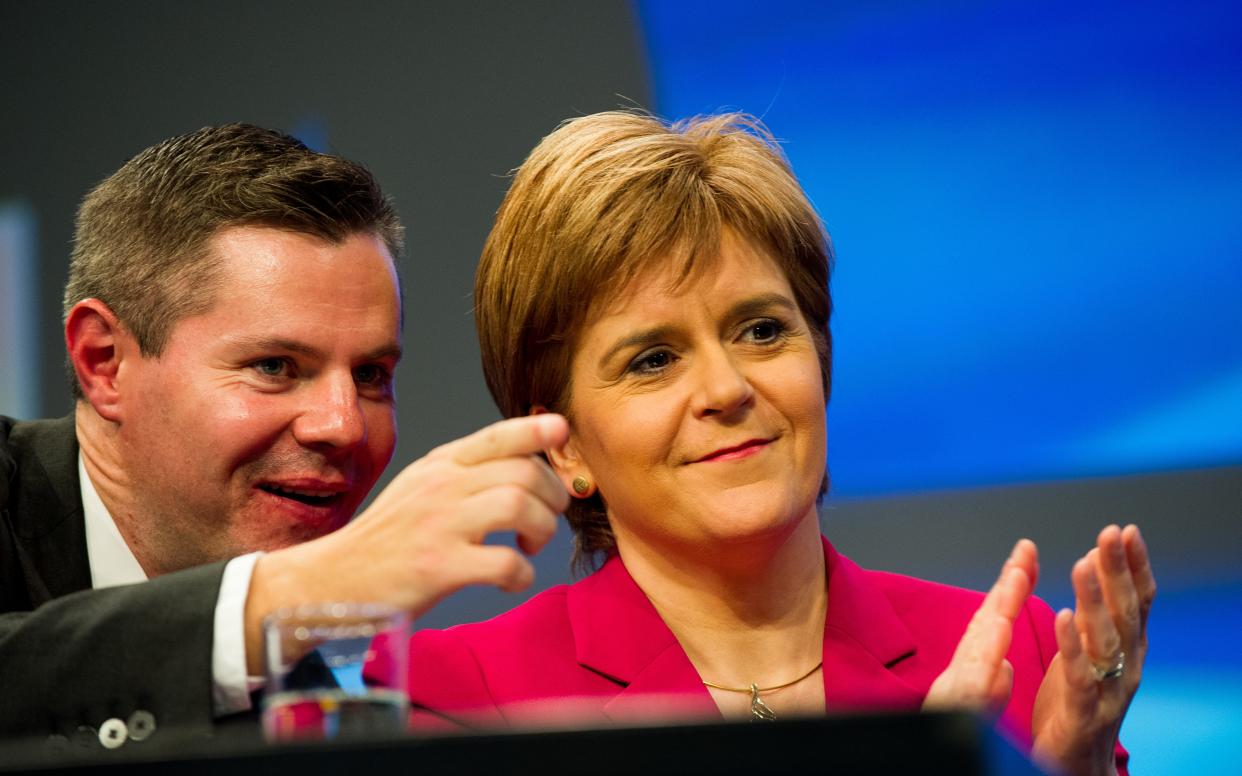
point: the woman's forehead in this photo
(684, 274)
(666, 274)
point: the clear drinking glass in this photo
(335, 670)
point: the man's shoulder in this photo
(8, 467)
(42, 535)
(19, 433)
(22, 439)
(8, 464)
(38, 454)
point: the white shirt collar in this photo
(112, 562)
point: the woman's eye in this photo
(764, 331)
(651, 362)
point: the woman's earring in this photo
(582, 486)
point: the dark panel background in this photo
(441, 100)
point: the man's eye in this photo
(371, 374)
(271, 367)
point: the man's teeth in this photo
(300, 494)
(311, 493)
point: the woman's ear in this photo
(567, 463)
(97, 343)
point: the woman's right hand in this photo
(979, 677)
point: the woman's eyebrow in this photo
(643, 338)
(762, 303)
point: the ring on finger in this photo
(1113, 671)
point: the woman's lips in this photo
(746, 449)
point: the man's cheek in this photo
(245, 430)
(382, 438)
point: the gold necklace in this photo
(760, 711)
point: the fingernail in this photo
(550, 424)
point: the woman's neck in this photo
(748, 613)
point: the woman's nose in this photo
(723, 388)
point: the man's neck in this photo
(100, 449)
(111, 561)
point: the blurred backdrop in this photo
(1037, 210)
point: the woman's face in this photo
(699, 412)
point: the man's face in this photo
(266, 420)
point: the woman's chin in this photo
(763, 508)
(756, 523)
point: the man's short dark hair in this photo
(141, 244)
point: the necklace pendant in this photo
(759, 711)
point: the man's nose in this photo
(722, 387)
(332, 415)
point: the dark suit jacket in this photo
(71, 657)
(597, 652)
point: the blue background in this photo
(1037, 211)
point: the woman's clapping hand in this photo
(979, 677)
(1102, 646)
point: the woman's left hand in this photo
(1103, 644)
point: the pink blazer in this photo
(597, 652)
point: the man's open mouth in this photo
(309, 497)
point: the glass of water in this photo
(335, 670)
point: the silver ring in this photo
(1115, 671)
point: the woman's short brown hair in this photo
(599, 201)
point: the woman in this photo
(665, 288)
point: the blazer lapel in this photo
(619, 634)
(46, 509)
(864, 640)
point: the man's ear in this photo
(568, 464)
(97, 344)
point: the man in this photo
(233, 321)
